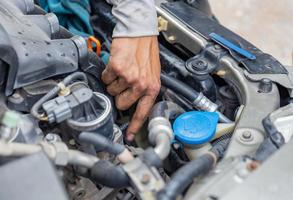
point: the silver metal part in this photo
(203, 103)
(51, 137)
(160, 135)
(179, 33)
(163, 146)
(227, 175)
(272, 180)
(282, 120)
(146, 180)
(57, 152)
(104, 100)
(54, 23)
(159, 125)
(81, 46)
(286, 80)
(260, 104)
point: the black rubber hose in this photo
(185, 175)
(274, 141)
(182, 178)
(179, 87)
(187, 92)
(166, 109)
(102, 143)
(220, 147)
(109, 175)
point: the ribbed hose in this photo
(54, 92)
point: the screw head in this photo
(51, 137)
(145, 179)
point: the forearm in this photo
(135, 18)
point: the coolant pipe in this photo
(197, 99)
(183, 177)
(160, 130)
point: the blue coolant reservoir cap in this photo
(196, 127)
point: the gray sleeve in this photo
(135, 18)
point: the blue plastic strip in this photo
(227, 44)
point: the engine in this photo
(220, 128)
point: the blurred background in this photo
(268, 24)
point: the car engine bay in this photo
(221, 127)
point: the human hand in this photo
(133, 75)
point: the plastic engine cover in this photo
(29, 45)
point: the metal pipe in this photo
(163, 146)
(58, 153)
(81, 159)
(160, 130)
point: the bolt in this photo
(246, 136)
(265, 85)
(16, 98)
(72, 142)
(221, 73)
(51, 137)
(16, 95)
(172, 38)
(200, 65)
(145, 178)
(176, 145)
(217, 47)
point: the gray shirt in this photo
(135, 18)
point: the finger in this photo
(143, 109)
(117, 86)
(127, 98)
(108, 76)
